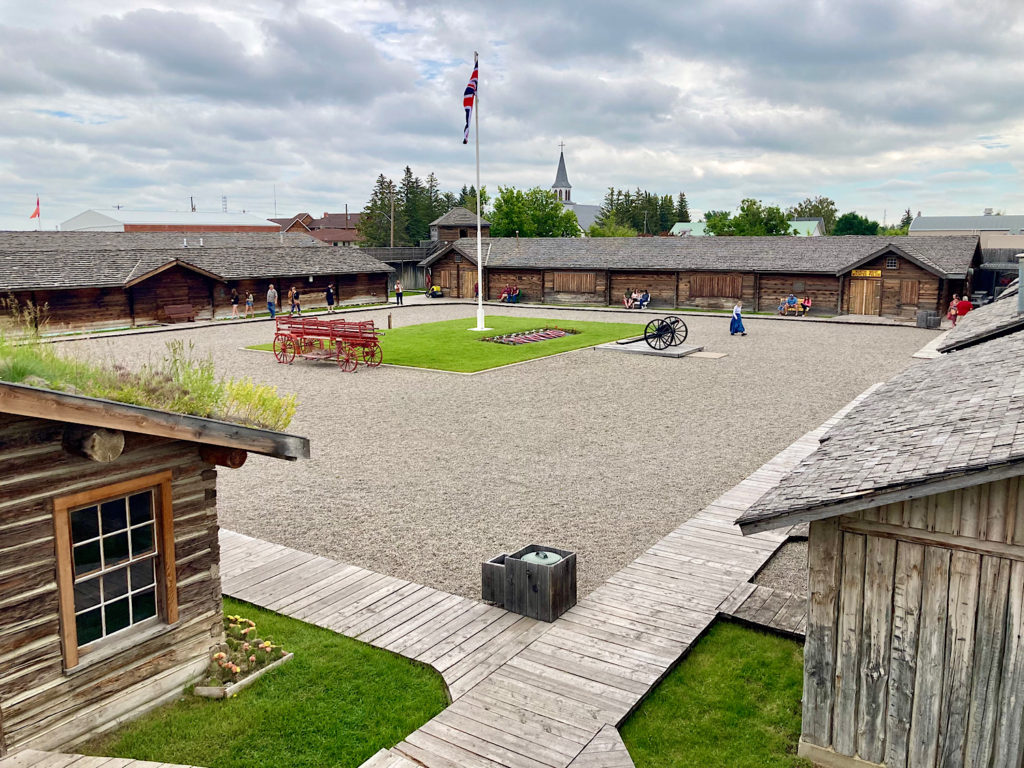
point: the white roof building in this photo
(121, 220)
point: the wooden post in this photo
(389, 321)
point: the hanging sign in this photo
(867, 273)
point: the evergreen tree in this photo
(682, 209)
(666, 214)
(375, 223)
(906, 220)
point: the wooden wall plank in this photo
(879, 564)
(989, 643)
(848, 634)
(906, 617)
(824, 559)
(924, 723)
(1008, 742)
(964, 575)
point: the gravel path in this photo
(422, 475)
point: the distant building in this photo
(585, 214)
(995, 231)
(332, 228)
(166, 221)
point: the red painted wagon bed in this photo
(343, 341)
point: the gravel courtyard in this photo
(422, 474)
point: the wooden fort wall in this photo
(915, 634)
(44, 705)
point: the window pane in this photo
(115, 549)
(143, 605)
(87, 594)
(142, 540)
(89, 626)
(117, 615)
(85, 524)
(115, 585)
(140, 506)
(87, 558)
(142, 574)
(114, 516)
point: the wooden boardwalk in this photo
(773, 609)
(31, 758)
(528, 694)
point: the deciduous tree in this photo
(816, 208)
(754, 219)
(534, 213)
(853, 224)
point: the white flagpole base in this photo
(480, 321)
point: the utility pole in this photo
(392, 214)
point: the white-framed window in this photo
(115, 561)
(891, 262)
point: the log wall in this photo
(530, 282)
(81, 308)
(661, 286)
(823, 290)
(43, 706)
(455, 274)
(929, 288)
(176, 285)
(915, 635)
(553, 294)
(688, 289)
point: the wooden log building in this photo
(859, 275)
(914, 652)
(108, 286)
(110, 598)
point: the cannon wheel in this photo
(658, 334)
(679, 329)
(346, 359)
(372, 355)
(284, 348)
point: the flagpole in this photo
(479, 194)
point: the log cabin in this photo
(914, 651)
(110, 598)
(859, 275)
(108, 286)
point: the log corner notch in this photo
(222, 456)
(97, 444)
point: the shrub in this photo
(241, 653)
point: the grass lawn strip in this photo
(336, 703)
(734, 702)
(449, 346)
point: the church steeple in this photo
(562, 187)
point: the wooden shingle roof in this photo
(57, 270)
(984, 323)
(945, 256)
(944, 422)
(458, 217)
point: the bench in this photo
(179, 313)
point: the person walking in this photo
(398, 292)
(296, 301)
(234, 303)
(271, 301)
(736, 324)
(329, 295)
(963, 306)
(250, 309)
(951, 312)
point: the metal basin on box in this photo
(537, 581)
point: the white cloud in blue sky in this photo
(881, 106)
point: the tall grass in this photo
(180, 381)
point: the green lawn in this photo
(335, 704)
(734, 702)
(449, 346)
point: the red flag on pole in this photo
(35, 213)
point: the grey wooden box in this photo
(539, 591)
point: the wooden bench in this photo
(179, 313)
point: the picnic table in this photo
(345, 342)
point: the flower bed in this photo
(240, 659)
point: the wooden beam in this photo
(934, 539)
(77, 409)
(232, 458)
(829, 759)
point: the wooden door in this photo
(865, 297)
(467, 279)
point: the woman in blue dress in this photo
(736, 324)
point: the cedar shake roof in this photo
(97, 241)
(329, 235)
(984, 323)
(945, 419)
(57, 270)
(459, 217)
(946, 256)
(337, 221)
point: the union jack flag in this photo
(469, 97)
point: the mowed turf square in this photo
(449, 345)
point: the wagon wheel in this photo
(306, 346)
(679, 330)
(372, 355)
(284, 348)
(346, 360)
(658, 334)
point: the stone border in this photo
(227, 691)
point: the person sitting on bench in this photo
(791, 303)
(805, 305)
(627, 301)
(513, 298)
(505, 293)
(644, 300)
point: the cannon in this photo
(665, 332)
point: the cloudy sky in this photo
(882, 106)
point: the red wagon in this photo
(343, 341)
